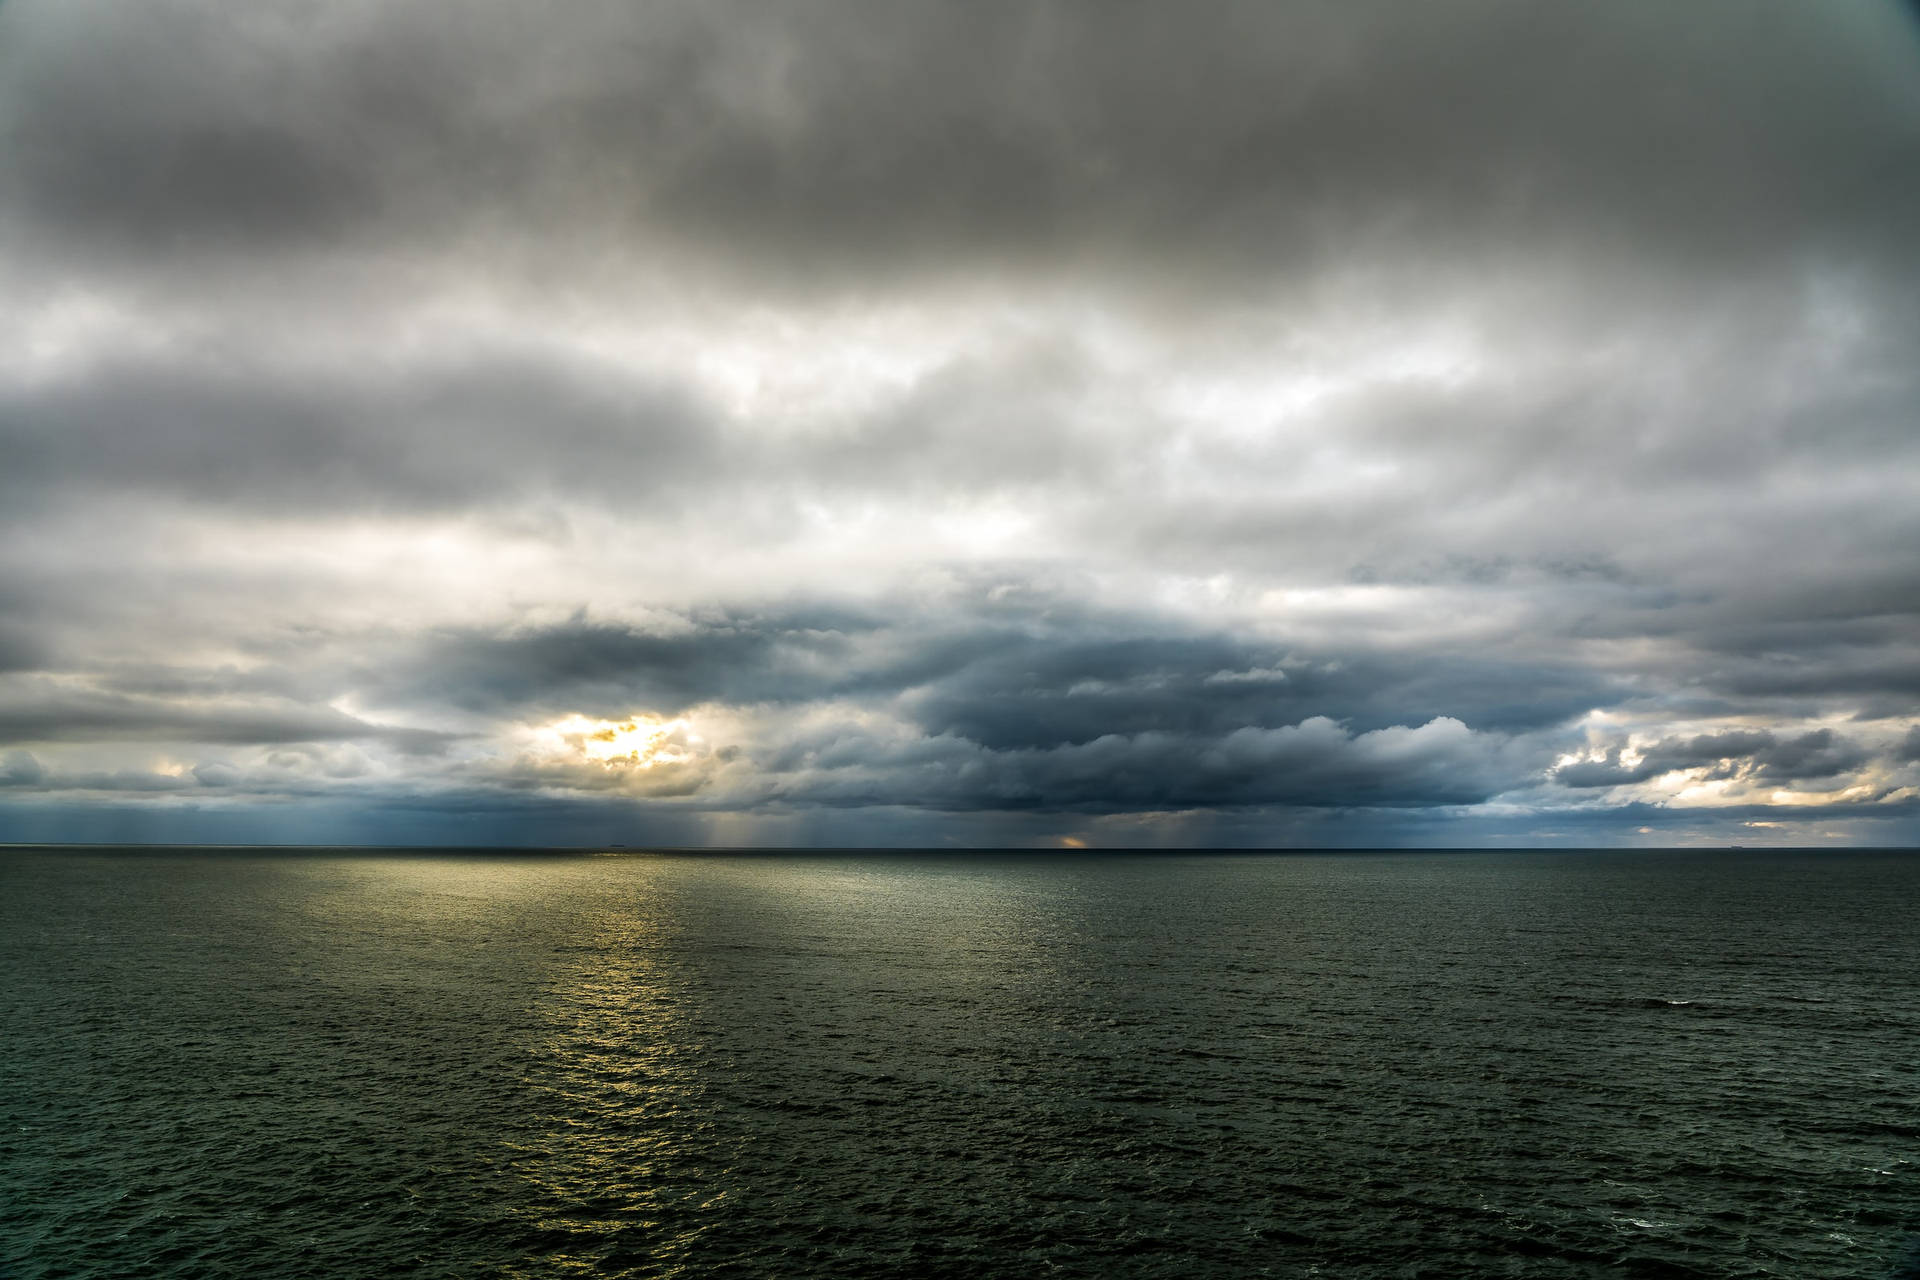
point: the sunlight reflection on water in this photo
(1458, 1065)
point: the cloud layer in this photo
(1321, 423)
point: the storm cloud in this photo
(732, 423)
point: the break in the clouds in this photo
(985, 423)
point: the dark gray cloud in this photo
(21, 769)
(1315, 763)
(1757, 754)
(213, 428)
(609, 668)
(44, 712)
(1909, 749)
(828, 135)
(20, 650)
(1038, 692)
(1044, 674)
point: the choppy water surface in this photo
(1539, 1065)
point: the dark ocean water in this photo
(1449, 1065)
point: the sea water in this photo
(330, 1063)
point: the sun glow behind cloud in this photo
(638, 742)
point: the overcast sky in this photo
(1040, 423)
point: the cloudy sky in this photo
(1037, 423)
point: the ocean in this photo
(227, 1063)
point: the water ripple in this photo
(1539, 1066)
